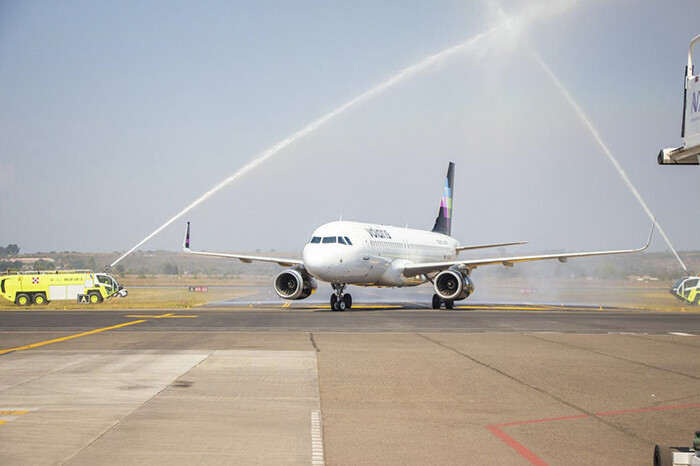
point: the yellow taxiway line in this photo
(92, 332)
(505, 308)
(70, 337)
(10, 413)
(361, 306)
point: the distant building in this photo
(645, 278)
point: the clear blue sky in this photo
(115, 115)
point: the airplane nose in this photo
(315, 261)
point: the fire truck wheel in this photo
(95, 298)
(23, 299)
(40, 298)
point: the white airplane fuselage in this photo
(377, 255)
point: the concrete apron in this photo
(160, 407)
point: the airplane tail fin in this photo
(186, 242)
(443, 222)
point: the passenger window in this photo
(347, 240)
(328, 239)
(341, 240)
(315, 240)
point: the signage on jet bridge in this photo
(692, 115)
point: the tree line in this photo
(9, 250)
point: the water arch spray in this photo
(402, 75)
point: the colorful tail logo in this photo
(443, 222)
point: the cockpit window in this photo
(341, 240)
(315, 240)
(106, 280)
(347, 240)
(328, 239)
(691, 283)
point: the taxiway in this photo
(382, 384)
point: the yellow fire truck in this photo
(687, 289)
(85, 286)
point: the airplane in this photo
(346, 253)
(689, 152)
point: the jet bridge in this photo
(689, 152)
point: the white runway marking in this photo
(316, 439)
(681, 334)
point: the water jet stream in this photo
(375, 91)
(587, 122)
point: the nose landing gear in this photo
(340, 301)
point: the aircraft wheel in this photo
(348, 301)
(334, 302)
(663, 456)
(436, 301)
(341, 304)
(23, 299)
(449, 304)
(40, 298)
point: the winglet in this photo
(186, 244)
(651, 232)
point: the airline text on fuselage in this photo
(378, 233)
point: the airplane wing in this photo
(412, 270)
(285, 262)
(484, 246)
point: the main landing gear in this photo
(437, 302)
(340, 301)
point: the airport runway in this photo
(382, 384)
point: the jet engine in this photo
(294, 283)
(453, 285)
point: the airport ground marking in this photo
(522, 450)
(69, 337)
(362, 306)
(316, 439)
(14, 412)
(169, 315)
